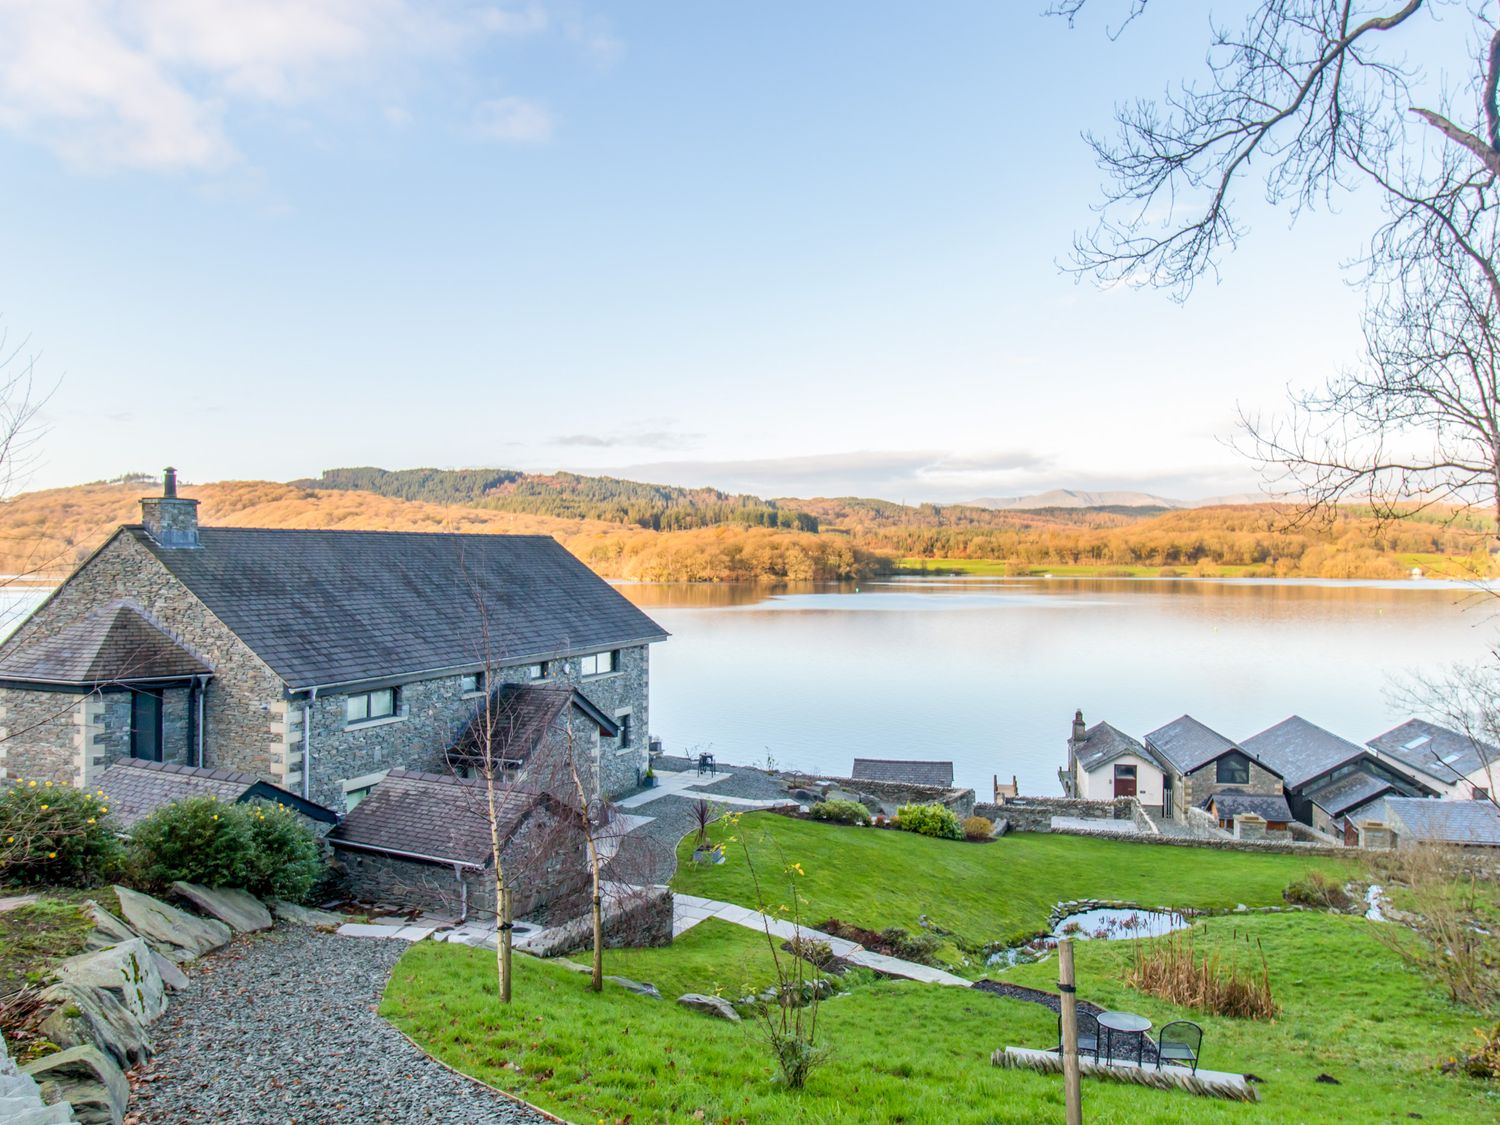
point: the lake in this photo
(988, 672)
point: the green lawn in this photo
(714, 957)
(919, 1054)
(999, 891)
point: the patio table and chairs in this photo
(706, 765)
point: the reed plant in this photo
(1171, 968)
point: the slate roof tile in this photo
(905, 772)
(110, 644)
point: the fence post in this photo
(1072, 1094)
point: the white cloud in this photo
(147, 83)
(514, 120)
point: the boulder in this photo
(294, 915)
(240, 910)
(711, 1005)
(88, 1080)
(59, 1114)
(125, 970)
(636, 987)
(171, 973)
(175, 933)
(92, 1017)
(108, 930)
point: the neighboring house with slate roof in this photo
(1201, 762)
(1323, 772)
(904, 772)
(423, 840)
(1453, 763)
(314, 660)
(136, 788)
(1413, 820)
(1104, 763)
(1228, 805)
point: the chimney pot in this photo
(169, 483)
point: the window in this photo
(353, 797)
(1125, 771)
(1234, 769)
(471, 684)
(145, 725)
(370, 705)
(601, 663)
(538, 671)
(624, 723)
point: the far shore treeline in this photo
(659, 533)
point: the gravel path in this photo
(280, 1029)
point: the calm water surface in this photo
(988, 672)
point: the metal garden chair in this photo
(1179, 1043)
(1088, 1034)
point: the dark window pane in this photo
(145, 726)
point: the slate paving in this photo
(280, 1028)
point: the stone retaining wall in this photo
(890, 795)
(1034, 814)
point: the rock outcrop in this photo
(173, 933)
(239, 910)
(126, 971)
(87, 1079)
(294, 915)
(711, 1005)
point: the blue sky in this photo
(793, 249)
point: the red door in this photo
(1124, 781)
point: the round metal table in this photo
(1124, 1023)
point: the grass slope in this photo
(981, 892)
(919, 1055)
(714, 957)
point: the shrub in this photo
(978, 828)
(263, 848)
(52, 833)
(1171, 969)
(921, 948)
(841, 812)
(1484, 1062)
(1318, 890)
(287, 859)
(930, 820)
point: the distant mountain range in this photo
(1075, 498)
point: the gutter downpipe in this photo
(312, 697)
(202, 687)
(463, 893)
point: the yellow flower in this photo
(51, 855)
(31, 784)
(103, 811)
(216, 816)
(10, 839)
(49, 785)
(46, 807)
(91, 820)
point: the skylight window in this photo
(1418, 742)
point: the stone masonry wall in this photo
(890, 795)
(1203, 783)
(1034, 814)
(436, 710)
(243, 700)
(42, 736)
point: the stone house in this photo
(1403, 822)
(1455, 765)
(422, 840)
(1327, 778)
(1200, 762)
(315, 660)
(1104, 763)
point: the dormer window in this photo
(600, 663)
(370, 705)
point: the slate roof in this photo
(137, 788)
(111, 644)
(1188, 744)
(1436, 751)
(1348, 792)
(1230, 804)
(1428, 819)
(327, 608)
(904, 772)
(1103, 743)
(519, 717)
(433, 816)
(1300, 750)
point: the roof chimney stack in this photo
(1080, 732)
(172, 522)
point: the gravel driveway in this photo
(281, 1029)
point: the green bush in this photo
(51, 833)
(930, 820)
(287, 858)
(1319, 891)
(841, 812)
(978, 828)
(919, 947)
(263, 848)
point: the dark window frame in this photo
(472, 683)
(137, 699)
(623, 721)
(1232, 759)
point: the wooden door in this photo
(1124, 781)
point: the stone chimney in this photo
(1079, 730)
(169, 519)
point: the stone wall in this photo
(243, 702)
(42, 736)
(643, 919)
(434, 711)
(887, 795)
(1034, 814)
(1198, 786)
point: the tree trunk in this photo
(502, 947)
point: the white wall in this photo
(1100, 785)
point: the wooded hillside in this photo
(626, 529)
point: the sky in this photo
(792, 249)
